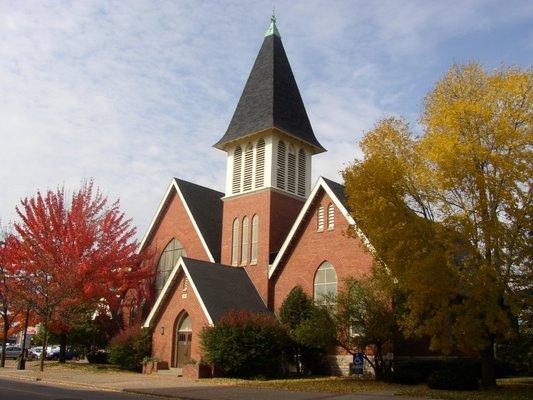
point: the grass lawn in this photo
(332, 384)
(74, 365)
(508, 389)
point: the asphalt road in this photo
(23, 390)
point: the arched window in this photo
(169, 257)
(245, 241)
(320, 219)
(301, 172)
(237, 168)
(282, 155)
(325, 283)
(248, 165)
(331, 217)
(235, 242)
(255, 238)
(260, 164)
(291, 179)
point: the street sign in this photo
(358, 363)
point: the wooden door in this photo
(183, 348)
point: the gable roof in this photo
(219, 289)
(336, 192)
(204, 208)
(271, 99)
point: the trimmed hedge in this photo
(245, 344)
(415, 372)
(98, 357)
(452, 379)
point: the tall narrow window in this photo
(291, 179)
(301, 172)
(260, 164)
(248, 165)
(282, 155)
(237, 168)
(331, 217)
(245, 241)
(325, 284)
(255, 238)
(320, 219)
(235, 242)
(169, 257)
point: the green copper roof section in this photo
(273, 29)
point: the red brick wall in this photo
(174, 223)
(170, 312)
(347, 255)
(276, 213)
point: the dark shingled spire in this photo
(271, 98)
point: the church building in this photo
(270, 231)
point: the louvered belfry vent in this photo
(260, 164)
(282, 155)
(302, 173)
(237, 168)
(248, 165)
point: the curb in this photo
(83, 385)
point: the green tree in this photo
(449, 212)
(363, 316)
(294, 313)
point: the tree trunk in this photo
(45, 343)
(62, 347)
(22, 360)
(488, 374)
(4, 343)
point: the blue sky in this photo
(133, 93)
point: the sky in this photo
(133, 93)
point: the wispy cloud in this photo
(133, 93)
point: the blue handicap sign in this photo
(358, 363)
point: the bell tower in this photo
(270, 144)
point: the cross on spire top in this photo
(272, 29)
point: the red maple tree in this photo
(12, 304)
(76, 255)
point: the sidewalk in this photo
(167, 386)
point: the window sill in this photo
(320, 230)
(253, 262)
(330, 229)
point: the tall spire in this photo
(271, 98)
(272, 29)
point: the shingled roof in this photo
(219, 289)
(206, 207)
(223, 288)
(271, 98)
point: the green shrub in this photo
(245, 344)
(130, 347)
(98, 357)
(452, 379)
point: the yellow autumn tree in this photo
(449, 211)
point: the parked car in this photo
(69, 354)
(12, 351)
(35, 352)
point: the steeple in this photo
(271, 98)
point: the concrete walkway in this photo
(167, 386)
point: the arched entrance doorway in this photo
(182, 345)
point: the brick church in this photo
(271, 230)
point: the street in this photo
(25, 390)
